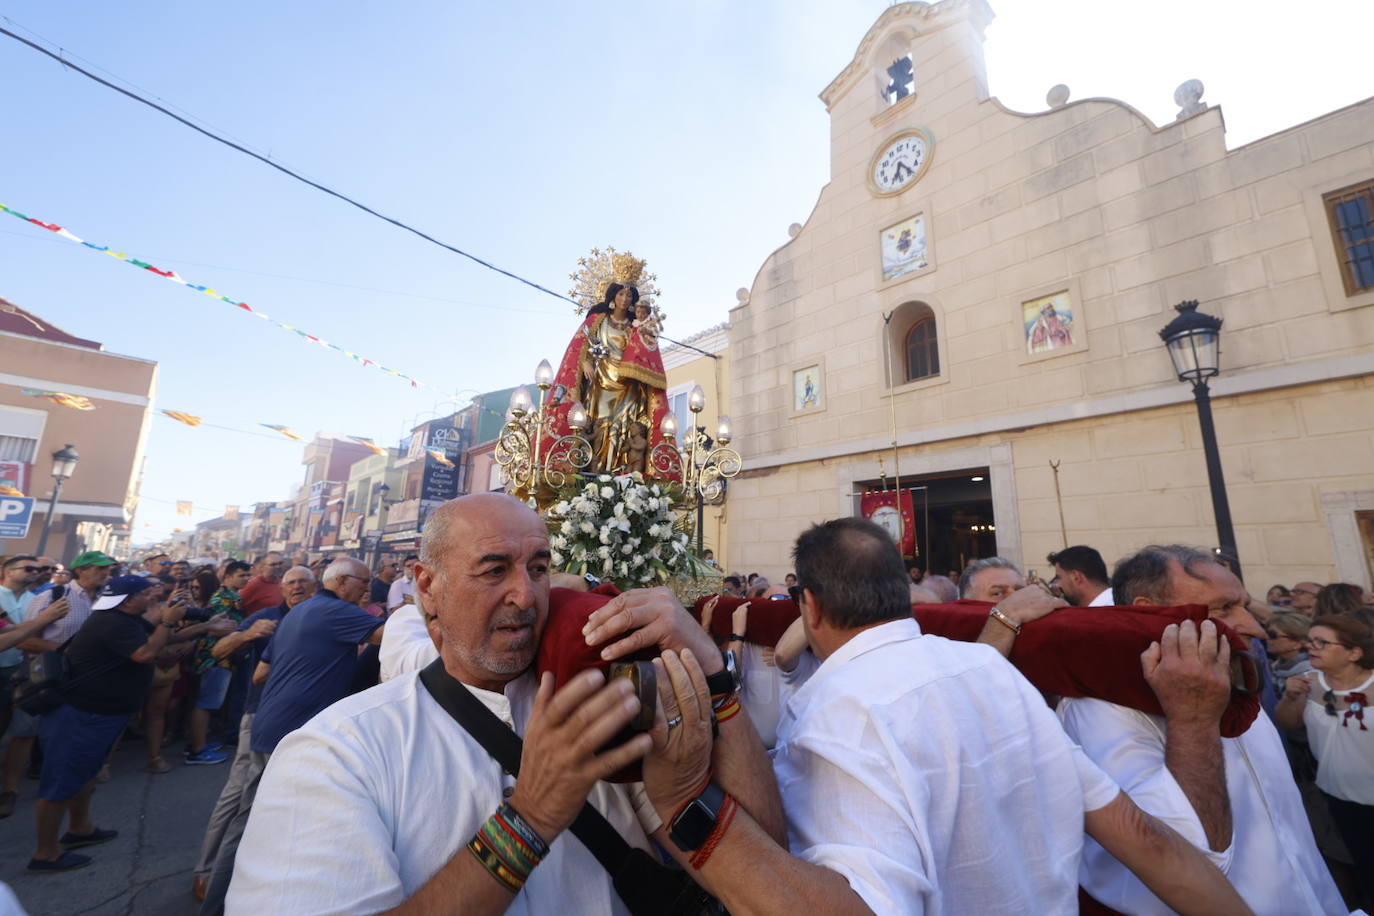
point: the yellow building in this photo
(702, 359)
(986, 287)
(98, 501)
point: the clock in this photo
(900, 162)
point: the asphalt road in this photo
(146, 870)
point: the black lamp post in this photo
(1194, 342)
(382, 489)
(63, 465)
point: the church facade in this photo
(972, 313)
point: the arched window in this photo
(922, 350)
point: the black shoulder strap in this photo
(504, 745)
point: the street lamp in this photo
(1194, 342)
(382, 490)
(63, 465)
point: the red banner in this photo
(882, 508)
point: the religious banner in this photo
(882, 508)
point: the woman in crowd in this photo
(1338, 598)
(1287, 635)
(1331, 702)
(1278, 596)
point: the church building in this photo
(972, 313)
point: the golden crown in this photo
(596, 272)
(626, 268)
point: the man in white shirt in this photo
(1081, 576)
(402, 591)
(903, 760)
(410, 794)
(1232, 798)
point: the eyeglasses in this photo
(1317, 642)
(46, 568)
(359, 578)
(1303, 591)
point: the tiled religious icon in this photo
(904, 248)
(807, 389)
(1049, 323)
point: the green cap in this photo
(93, 558)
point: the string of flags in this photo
(244, 306)
(284, 431)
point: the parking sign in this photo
(15, 513)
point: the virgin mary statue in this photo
(612, 367)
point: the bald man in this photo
(395, 793)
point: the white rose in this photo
(627, 550)
(603, 552)
(588, 528)
(556, 558)
(604, 478)
(567, 528)
(607, 492)
(562, 508)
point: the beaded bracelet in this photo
(723, 819)
(508, 847)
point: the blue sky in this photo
(690, 133)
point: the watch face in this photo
(900, 162)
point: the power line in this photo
(301, 178)
(281, 168)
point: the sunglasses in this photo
(30, 568)
(1329, 702)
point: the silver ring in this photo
(674, 722)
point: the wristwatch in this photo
(726, 680)
(694, 823)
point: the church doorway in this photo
(950, 513)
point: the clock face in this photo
(900, 162)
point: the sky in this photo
(525, 134)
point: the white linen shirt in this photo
(932, 776)
(1272, 861)
(399, 591)
(406, 644)
(1105, 598)
(363, 804)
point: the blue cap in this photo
(119, 588)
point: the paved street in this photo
(147, 869)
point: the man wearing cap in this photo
(109, 668)
(90, 571)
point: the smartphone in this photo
(58, 591)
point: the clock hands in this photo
(897, 172)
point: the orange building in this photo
(98, 501)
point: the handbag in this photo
(645, 886)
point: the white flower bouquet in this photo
(623, 529)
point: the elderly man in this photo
(377, 767)
(230, 815)
(307, 665)
(1232, 798)
(110, 665)
(1081, 576)
(1305, 597)
(402, 589)
(155, 565)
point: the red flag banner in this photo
(882, 508)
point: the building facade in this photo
(97, 503)
(973, 309)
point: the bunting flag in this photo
(74, 401)
(364, 440)
(183, 506)
(188, 419)
(438, 455)
(7, 490)
(283, 430)
(176, 278)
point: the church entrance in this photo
(950, 512)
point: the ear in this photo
(811, 609)
(1144, 601)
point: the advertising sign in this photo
(440, 483)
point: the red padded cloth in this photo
(1073, 652)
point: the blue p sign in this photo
(15, 513)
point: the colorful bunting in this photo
(364, 440)
(283, 430)
(438, 455)
(175, 278)
(188, 419)
(74, 401)
(183, 505)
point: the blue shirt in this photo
(255, 650)
(15, 607)
(312, 654)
